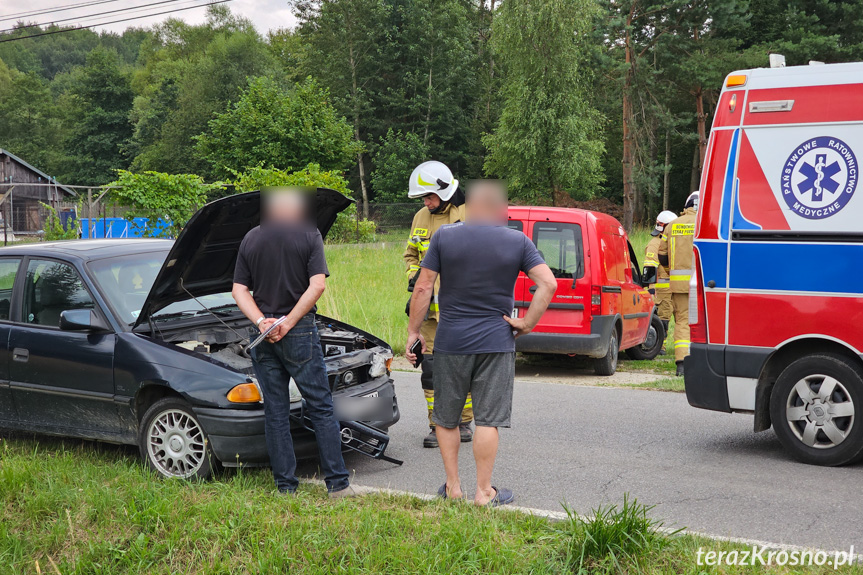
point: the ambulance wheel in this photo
(817, 410)
(607, 365)
(652, 344)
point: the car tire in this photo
(607, 365)
(173, 442)
(652, 344)
(813, 428)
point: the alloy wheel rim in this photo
(650, 340)
(819, 411)
(176, 444)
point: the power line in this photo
(21, 15)
(129, 9)
(72, 29)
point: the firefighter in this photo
(661, 290)
(675, 253)
(435, 184)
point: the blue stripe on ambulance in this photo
(714, 256)
(728, 186)
(795, 267)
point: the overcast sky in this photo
(265, 14)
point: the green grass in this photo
(79, 507)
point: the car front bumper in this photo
(593, 344)
(236, 436)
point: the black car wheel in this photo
(607, 365)
(817, 410)
(652, 344)
(172, 441)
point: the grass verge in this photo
(81, 507)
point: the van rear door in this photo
(562, 246)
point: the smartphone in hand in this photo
(417, 349)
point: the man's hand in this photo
(280, 331)
(519, 325)
(412, 339)
(266, 323)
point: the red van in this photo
(600, 306)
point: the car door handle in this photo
(20, 354)
(533, 289)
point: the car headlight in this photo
(380, 364)
(245, 393)
(294, 391)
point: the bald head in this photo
(486, 202)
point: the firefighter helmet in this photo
(432, 178)
(692, 201)
(664, 218)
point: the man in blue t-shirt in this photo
(478, 263)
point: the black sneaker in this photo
(679, 369)
(466, 432)
(430, 440)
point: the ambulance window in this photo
(516, 225)
(561, 247)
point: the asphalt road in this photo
(586, 446)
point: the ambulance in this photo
(776, 297)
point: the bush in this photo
(155, 195)
(346, 229)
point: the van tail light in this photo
(697, 315)
(595, 300)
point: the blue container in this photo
(118, 227)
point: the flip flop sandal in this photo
(441, 492)
(502, 496)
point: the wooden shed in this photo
(23, 190)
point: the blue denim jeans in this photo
(298, 355)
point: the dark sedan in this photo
(139, 342)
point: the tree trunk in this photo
(696, 169)
(360, 164)
(429, 105)
(667, 169)
(702, 129)
(628, 153)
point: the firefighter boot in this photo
(430, 440)
(679, 369)
(427, 365)
(466, 432)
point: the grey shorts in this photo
(489, 379)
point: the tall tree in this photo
(345, 41)
(277, 128)
(101, 98)
(547, 140)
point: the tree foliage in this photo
(547, 140)
(172, 198)
(347, 227)
(395, 158)
(271, 126)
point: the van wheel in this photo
(652, 344)
(817, 410)
(172, 441)
(608, 365)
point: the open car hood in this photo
(203, 257)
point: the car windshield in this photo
(126, 281)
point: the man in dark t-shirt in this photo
(281, 271)
(478, 263)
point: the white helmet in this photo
(432, 178)
(692, 201)
(665, 217)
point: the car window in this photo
(515, 225)
(125, 281)
(8, 271)
(561, 247)
(51, 288)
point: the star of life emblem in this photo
(819, 178)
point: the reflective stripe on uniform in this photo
(662, 285)
(469, 403)
(681, 343)
(680, 275)
(430, 401)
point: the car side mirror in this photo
(648, 276)
(81, 320)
